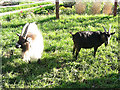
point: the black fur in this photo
(89, 39)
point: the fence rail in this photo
(2, 14)
(25, 4)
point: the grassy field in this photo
(58, 68)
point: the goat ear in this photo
(29, 39)
(17, 34)
(112, 33)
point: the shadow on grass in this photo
(22, 24)
(30, 72)
(27, 72)
(46, 20)
(108, 81)
(6, 63)
(97, 20)
(84, 22)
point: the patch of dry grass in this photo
(96, 8)
(80, 7)
(107, 9)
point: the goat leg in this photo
(73, 49)
(38, 61)
(95, 49)
(77, 52)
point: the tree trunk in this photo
(57, 9)
(115, 8)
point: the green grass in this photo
(58, 68)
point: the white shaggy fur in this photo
(36, 46)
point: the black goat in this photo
(89, 39)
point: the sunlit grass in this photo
(58, 68)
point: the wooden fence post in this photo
(115, 8)
(57, 9)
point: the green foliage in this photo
(67, 11)
(22, 7)
(58, 68)
(69, 4)
(9, 3)
(28, 14)
(44, 10)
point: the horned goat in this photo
(31, 42)
(89, 39)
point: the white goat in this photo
(31, 42)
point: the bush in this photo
(44, 10)
(93, 7)
(67, 11)
(9, 3)
(107, 9)
(96, 8)
(80, 7)
(69, 4)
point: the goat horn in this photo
(17, 34)
(104, 28)
(109, 29)
(24, 28)
(25, 31)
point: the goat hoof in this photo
(75, 58)
(38, 61)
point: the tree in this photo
(57, 9)
(115, 8)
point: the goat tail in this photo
(71, 33)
